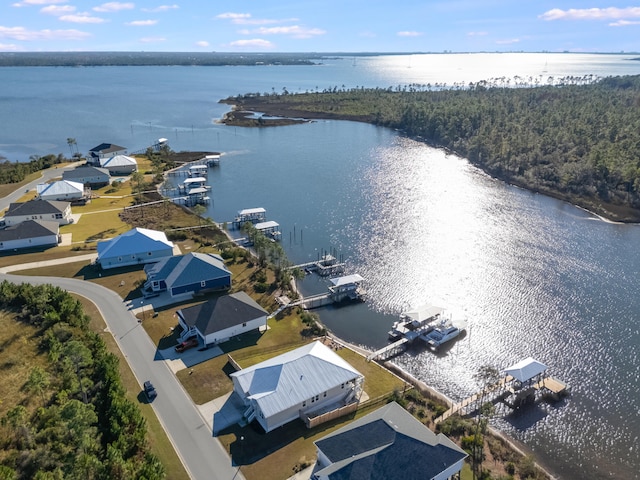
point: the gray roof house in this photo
(51, 210)
(105, 150)
(387, 443)
(137, 246)
(28, 234)
(190, 273)
(310, 380)
(88, 176)
(222, 318)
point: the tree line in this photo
(577, 139)
(85, 427)
(16, 172)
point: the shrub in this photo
(261, 287)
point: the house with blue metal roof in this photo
(135, 247)
(387, 443)
(190, 273)
(309, 381)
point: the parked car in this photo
(150, 391)
(187, 344)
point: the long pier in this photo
(390, 350)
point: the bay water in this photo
(532, 275)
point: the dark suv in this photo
(150, 391)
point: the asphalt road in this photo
(202, 454)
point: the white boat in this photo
(443, 332)
(415, 322)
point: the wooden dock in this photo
(390, 350)
(490, 393)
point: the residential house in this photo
(93, 177)
(29, 234)
(299, 383)
(105, 150)
(137, 246)
(222, 318)
(50, 210)
(63, 190)
(387, 443)
(190, 273)
(119, 165)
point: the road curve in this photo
(202, 455)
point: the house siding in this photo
(29, 242)
(137, 258)
(213, 284)
(65, 218)
(227, 333)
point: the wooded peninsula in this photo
(577, 141)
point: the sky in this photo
(320, 26)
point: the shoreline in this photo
(398, 371)
(289, 115)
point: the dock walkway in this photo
(489, 393)
(389, 351)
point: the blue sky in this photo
(320, 26)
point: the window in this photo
(203, 283)
(342, 386)
(58, 215)
(317, 397)
(244, 324)
(149, 253)
(325, 394)
(133, 256)
(119, 259)
(304, 404)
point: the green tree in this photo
(38, 382)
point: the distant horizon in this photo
(360, 25)
(322, 53)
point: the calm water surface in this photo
(533, 276)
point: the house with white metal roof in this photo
(137, 246)
(49, 210)
(29, 234)
(387, 443)
(62, 190)
(119, 164)
(89, 176)
(305, 381)
(191, 273)
(105, 150)
(222, 318)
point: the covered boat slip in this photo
(269, 229)
(253, 215)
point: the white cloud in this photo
(21, 33)
(26, 3)
(253, 43)
(141, 23)
(83, 17)
(113, 7)
(10, 47)
(624, 23)
(57, 10)
(233, 16)
(610, 13)
(202, 43)
(153, 39)
(161, 8)
(477, 34)
(409, 34)
(295, 31)
(508, 41)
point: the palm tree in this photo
(71, 142)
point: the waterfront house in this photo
(119, 165)
(63, 190)
(135, 247)
(190, 273)
(49, 210)
(93, 177)
(222, 318)
(387, 443)
(29, 234)
(105, 150)
(303, 383)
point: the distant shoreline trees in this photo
(575, 138)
